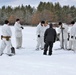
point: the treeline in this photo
(32, 16)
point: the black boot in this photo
(44, 53)
(50, 54)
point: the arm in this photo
(59, 29)
(45, 34)
(55, 35)
(21, 26)
(18, 27)
(38, 31)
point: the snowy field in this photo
(28, 61)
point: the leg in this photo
(70, 44)
(42, 42)
(38, 43)
(9, 45)
(50, 48)
(18, 42)
(45, 48)
(61, 43)
(3, 45)
(65, 43)
(74, 45)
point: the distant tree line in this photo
(32, 16)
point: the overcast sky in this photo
(35, 3)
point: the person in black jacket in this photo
(49, 39)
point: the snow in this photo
(28, 61)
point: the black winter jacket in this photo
(50, 35)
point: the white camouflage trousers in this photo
(65, 43)
(18, 42)
(40, 42)
(5, 44)
(72, 44)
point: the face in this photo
(42, 24)
(18, 21)
(45, 24)
(8, 23)
(59, 25)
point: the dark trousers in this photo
(50, 45)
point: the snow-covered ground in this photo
(28, 61)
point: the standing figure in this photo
(46, 26)
(74, 44)
(49, 39)
(71, 38)
(63, 30)
(40, 35)
(18, 33)
(72, 41)
(6, 39)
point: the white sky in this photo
(35, 2)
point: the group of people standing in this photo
(63, 35)
(67, 36)
(46, 36)
(6, 37)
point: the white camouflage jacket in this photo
(6, 30)
(18, 30)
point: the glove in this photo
(71, 36)
(1, 37)
(22, 27)
(38, 35)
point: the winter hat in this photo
(42, 22)
(6, 21)
(60, 23)
(17, 19)
(72, 22)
